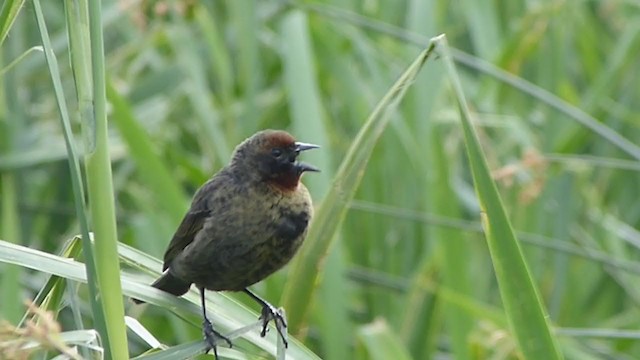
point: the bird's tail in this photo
(169, 283)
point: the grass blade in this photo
(10, 115)
(100, 183)
(305, 269)
(16, 61)
(154, 173)
(8, 15)
(76, 178)
(227, 313)
(523, 305)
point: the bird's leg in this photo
(269, 312)
(210, 335)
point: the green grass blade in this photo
(8, 14)
(11, 298)
(227, 313)
(523, 305)
(87, 61)
(154, 173)
(84, 21)
(10, 130)
(76, 13)
(16, 61)
(305, 269)
(86, 340)
(182, 351)
(100, 188)
(189, 350)
(76, 178)
(50, 295)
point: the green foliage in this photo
(527, 317)
(8, 14)
(398, 265)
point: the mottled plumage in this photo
(245, 223)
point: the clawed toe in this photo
(212, 337)
(271, 313)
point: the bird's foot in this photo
(212, 337)
(269, 312)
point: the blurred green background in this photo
(409, 274)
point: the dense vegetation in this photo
(398, 265)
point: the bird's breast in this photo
(289, 231)
(293, 215)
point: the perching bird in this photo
(245, 223)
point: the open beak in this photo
(300, 146)
(302, 167)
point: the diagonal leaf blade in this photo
(8, 14)
(140, 145)
(525, 312)
(227, 313)
(308, 264)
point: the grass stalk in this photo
(525, 311)
(95, 299)
(100, 190)
(9, 183)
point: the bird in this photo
(246, 222)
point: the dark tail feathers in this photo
(170, 284)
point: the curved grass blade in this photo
(231, 316)
(188, 350)
(525, 312)
(308, 264)
(88, 339)
(17, 60)
(8, 14)
(226, 312)
(50, 295)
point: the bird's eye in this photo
(276, 152)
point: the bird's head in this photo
(271, 155)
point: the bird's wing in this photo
(192, 222)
